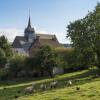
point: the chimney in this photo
(38, 38)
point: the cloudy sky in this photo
(47, 16)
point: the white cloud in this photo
(62, 38)
(11, 33)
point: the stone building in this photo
(31, 40)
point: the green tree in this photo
(46, 59)
(3, 59)
(70, 59)
(30, 66)
(85, 36)
(16, 64)
(5, 46)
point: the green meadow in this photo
(87, 82)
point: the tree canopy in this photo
(85, 36)
(5, 51)
(3, 59)
(5, 46)
(46, 59)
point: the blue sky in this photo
(49, 16)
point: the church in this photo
(27, 44)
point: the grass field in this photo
(87, 81)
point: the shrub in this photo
(16, 65)
(3, 59)
(3, 74)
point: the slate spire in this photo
(29, 22)
(29, 31)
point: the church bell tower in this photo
(29, 32)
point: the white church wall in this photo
(57, 70)
(21, 51)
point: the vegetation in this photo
(3, 59)
(5, 51)
(16, 64)
(5, 46)
(86, 80)
(46, 59)
(67, 59)
(85, 54)
(85, 36)
(41, 63)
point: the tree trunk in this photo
(50, 73)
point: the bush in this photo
(3, 74)
(46, 59)
(71, 60)
(3, 59)
(67, 58)
(16, 64)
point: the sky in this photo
(47, 16)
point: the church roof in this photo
(46, 40)
(40, 39)
(17, 43)
(22, 42)
(51, 42)
(45, 36)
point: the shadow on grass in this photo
(21, 80)
(27, 80)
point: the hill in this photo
(87, 82)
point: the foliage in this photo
(5, 46)
(69, 59)
(46, 59)
(29, 63)
(4, 73)
(30, 67)
(3, 59)
(83, 79)
(16, 64)
(64, 55)
(85, 36)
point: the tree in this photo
(66, 58)
(85, 36)
(5, 46)
(46, 59)
(70, 59)
(16, 64)
(3, 59)
(30, 67)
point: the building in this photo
(67, 45)
(31, 40)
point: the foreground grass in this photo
(88, 91)
(86, 80)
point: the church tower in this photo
(29, 32)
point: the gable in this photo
(16, 43)
(40, 41)
(21, 42)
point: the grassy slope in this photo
(89, 88)
(89, 91)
